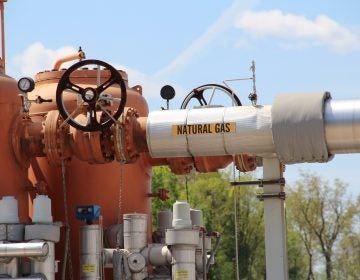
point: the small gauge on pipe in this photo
(26, 84)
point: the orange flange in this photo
(125, 135)
(56, 142)
(245, 163)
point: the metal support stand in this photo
(275, 224)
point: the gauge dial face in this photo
(26, 84)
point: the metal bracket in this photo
(260, 182)
(280, 195)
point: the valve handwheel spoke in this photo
(91, 100)
(199, 95)
(92, 113)
(204, 96)
(71, 86)
(105, 85)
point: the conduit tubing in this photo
(79, 55)
(253, 133)
(36, 249)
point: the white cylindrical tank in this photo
(196, 217)
(181, 215)
(135, 232)
(164, 219)
(9, 210)
(42, 210)
(90, 252)
(183, 244)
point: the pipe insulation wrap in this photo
(298, 127)
(210, 132)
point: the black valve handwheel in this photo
(204, 96)
(100, 108)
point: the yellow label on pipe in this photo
(203, 128)
(88, 268)
(182, 274)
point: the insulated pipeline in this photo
(246, 129)
(210, 132)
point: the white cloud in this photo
(224, 22)
(151, 85)
(38, 58)
(299, 30)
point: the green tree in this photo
(300, 241)
(348, 253)
(251, 233)
(163, 178)
(322, 215)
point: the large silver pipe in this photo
(342, 126)
(210, 132)
(36, 249)
(184, 133)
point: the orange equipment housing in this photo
(117, 188)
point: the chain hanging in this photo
(67, 250)
(122, 162)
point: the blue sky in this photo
(298, 46)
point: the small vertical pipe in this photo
(102, 276)
(204, 254)
(46, 266)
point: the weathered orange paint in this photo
(93, 183)
(13, 176)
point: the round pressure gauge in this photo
(26, 84)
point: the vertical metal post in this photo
(275, 224)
